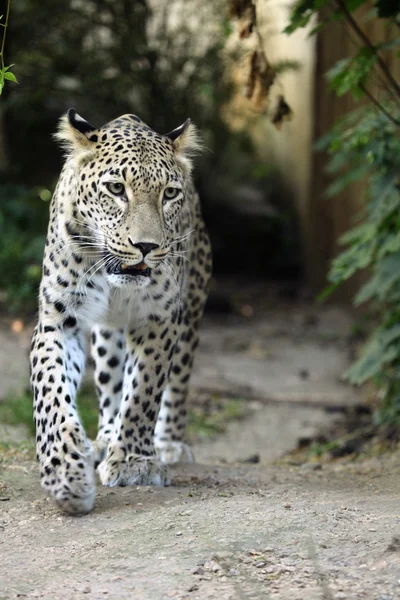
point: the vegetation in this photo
(205, 419)
(366, 144)
(110, 57)
(5, 73)
(23, 217)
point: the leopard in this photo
(125, 278)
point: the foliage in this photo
(19, 410)
(110, 57)
(366, 144)
(205, 420)
(23, 217)
(5, 73)
(103, 60)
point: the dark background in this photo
(99, 57)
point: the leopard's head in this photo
(129, 191)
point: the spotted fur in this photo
(127, 259)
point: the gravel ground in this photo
(223, 532)
(224, 529)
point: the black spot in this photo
(185, 359)
(117, 388)
(59, 306)
(104, 377)
(113, 362)
(70, 322)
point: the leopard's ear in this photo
(186, 142)
(74, 133)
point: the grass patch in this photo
(206, 420)
(16, 451)
(88, 409)
(318, 449)
(19, 410)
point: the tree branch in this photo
(4, 35)
(378, 105)
(365, 39)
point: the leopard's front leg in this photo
(63, 451)
(131, 457)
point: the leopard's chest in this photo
(127, 306)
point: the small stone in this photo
(394, 545)
(287, 505)
(304, 373)
(193, 588)
(211, 565)
(178, 533)
(198, 571)
(260, 564)
(86, 590)
(232, 573)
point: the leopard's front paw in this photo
(171, 453)
(132, 469)
(68, 475)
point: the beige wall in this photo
(292, 144)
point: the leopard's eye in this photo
(170, 193)
(116, 188)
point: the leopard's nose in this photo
(144, 247)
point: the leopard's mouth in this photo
(139, 270)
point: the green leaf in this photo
(328, 291)
(10, 76)
(355, 258)
(349, 177)
(380, 284)
(385, 199)
(362, 233)
(390, 244)
(375, 355)
(349, 73)
(302, 12)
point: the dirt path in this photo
(228, 532)
(224, 529)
